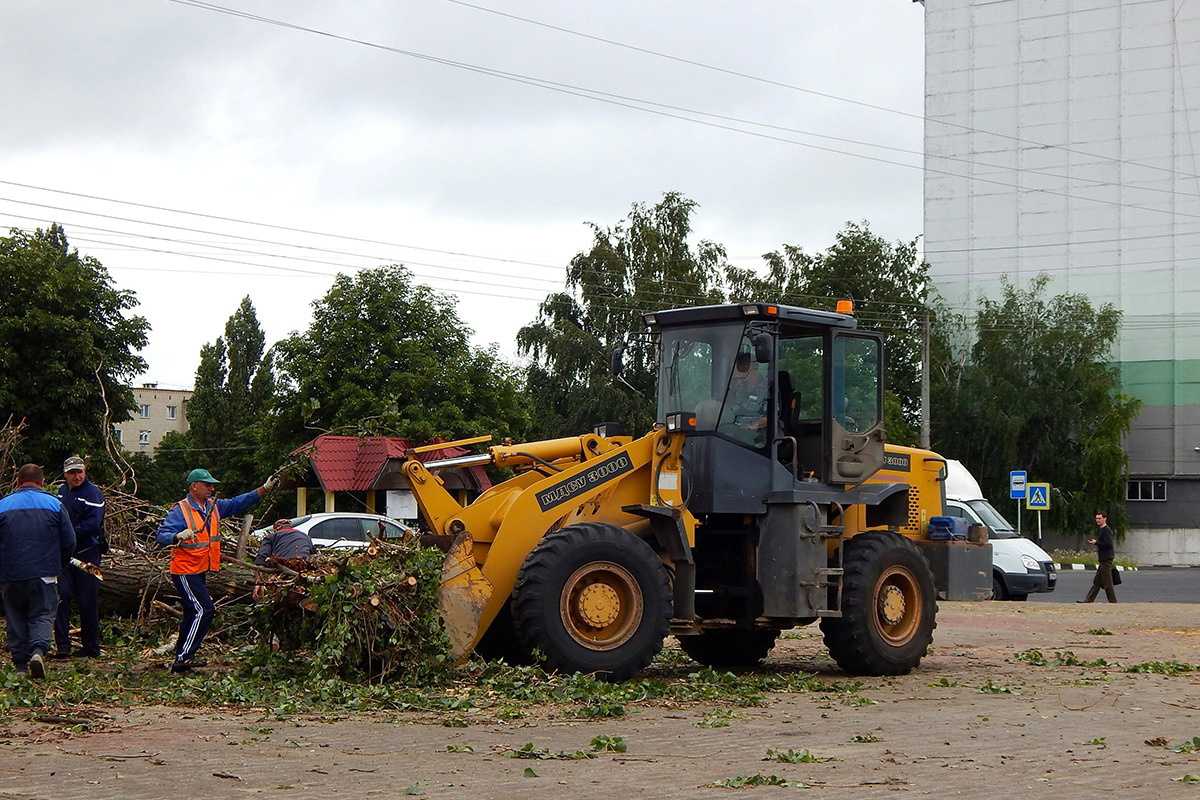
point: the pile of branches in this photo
(363, 615)
(10, 435)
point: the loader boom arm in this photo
(561, 481)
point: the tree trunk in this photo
(133, 580)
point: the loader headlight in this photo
(607, 430)
(681, 422)
(1031, 563)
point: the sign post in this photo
(1016, 491)
(1038, 499)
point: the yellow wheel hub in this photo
(601, 605)
(891, 605)
(898, 604)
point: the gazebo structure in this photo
(372, 464)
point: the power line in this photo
(1035, 245)
(682, 285)
(309, 231)
(641, 105)
(310, 273)
(243, 238)
(664, 295)
(780, 84)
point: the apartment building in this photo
(158, 411)
(1064, 138)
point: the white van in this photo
(1019, 567)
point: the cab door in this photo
(856, 407)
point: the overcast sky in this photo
(333, 137)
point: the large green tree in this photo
(235, 383)
(386, 356)
(68, 348)
(888, 285)
(1031, 387)
(643, 263)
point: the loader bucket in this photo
(462, 596)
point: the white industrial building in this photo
(1064, 138)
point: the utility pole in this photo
(925, 381)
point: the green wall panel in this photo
(1162, 383)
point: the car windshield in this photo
(998, 526)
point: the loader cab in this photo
(783, 396)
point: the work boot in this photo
(188, 664)
(37, 666)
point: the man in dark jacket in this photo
(283, 542)
(1105, 555)
(36, 540)
(85, 505)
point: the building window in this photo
(1146, 490)
(117, 435)
(144, 410)
(144, 437)
(170, 412)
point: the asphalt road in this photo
(1145, 585)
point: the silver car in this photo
(345, 531)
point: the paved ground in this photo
(972, 722)
(1143, 585)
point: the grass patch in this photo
(791, 756)
(1169, 668)
(1060, 658)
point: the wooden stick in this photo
(244, 538)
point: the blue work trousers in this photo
(29, 608)
(198, 613)
(84, 589)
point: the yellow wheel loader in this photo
(753, 506)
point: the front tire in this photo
(888, 607)
(593, 598)
(729, 648)
(998, 592)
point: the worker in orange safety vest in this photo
(192, 531)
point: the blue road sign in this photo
(1016, 485)
(1039, 497)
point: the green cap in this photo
(201, 476)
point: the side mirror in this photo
(762, 347)
(618, 360)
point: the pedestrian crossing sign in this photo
(1038, 498)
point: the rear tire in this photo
(593, 598)
(729, 648)
(888, 607)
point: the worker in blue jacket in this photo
(85, 505)
(36, 541)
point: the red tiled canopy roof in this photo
(354, 463)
